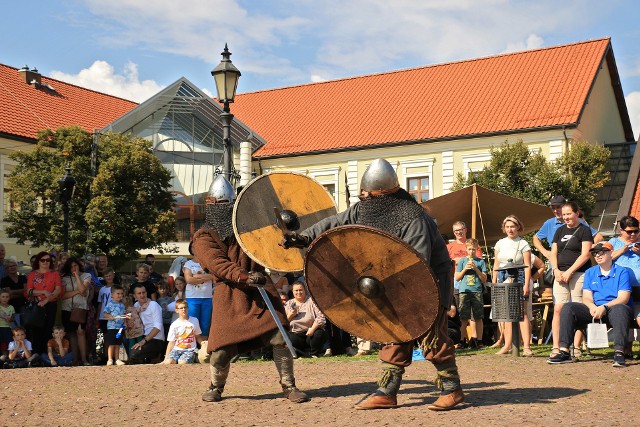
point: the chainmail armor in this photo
(218, 217)
(389, 212)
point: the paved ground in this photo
(500, 391)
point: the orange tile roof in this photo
(25, 110)
(516, 91)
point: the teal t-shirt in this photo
(471, 282)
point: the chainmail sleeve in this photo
(343, 218)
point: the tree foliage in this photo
(516, 171)
(126, 207)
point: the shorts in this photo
(471, 302)
(111, 337)
(178, 354)
(568, 292)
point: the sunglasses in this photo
(45, 259)
(631, 231)
(600, 253)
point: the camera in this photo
(636, 245)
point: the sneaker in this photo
(109, 362)
(328, 352)
(560, 357)
(618, 359)
(120, 362)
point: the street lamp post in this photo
(67, 184)
(226, 76)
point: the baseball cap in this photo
(557, 200)
(602, 246)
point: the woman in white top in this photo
(515, 249)
(199, 292)
(76, 290)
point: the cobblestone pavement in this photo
(500, 391)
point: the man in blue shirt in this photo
(548, 229)
(606, 295)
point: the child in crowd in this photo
(471, 272)
(133, 324)
(7, 313)
(20, 350)
(104, 296)
(114, 313)
(142, 276)
(179, 292)
(164, 299)
(184, 336)
(58, 353)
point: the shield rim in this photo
(235, 207)
(395, 239)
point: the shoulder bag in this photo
(33, 316)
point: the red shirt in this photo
(48, 281)
(459, 250)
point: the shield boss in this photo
(254, 222)
(372, 284)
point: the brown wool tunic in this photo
(239, 316)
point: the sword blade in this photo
(281, 327)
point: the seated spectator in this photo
(58, 353)
(184, 336)
(15, 283)
(142, 278)
(134, 330)
(471, 273)
(606, 295)
(20, 351)
(152, 344)
(306, 322)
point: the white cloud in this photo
(315, 78)
(633, 104)
(101, 76)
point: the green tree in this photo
(126, 207)
(515, 171)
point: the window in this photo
(418, 187)
(331, 188)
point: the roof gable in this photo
(26, 109)
(527, 90)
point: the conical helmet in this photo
(221, 191)
(379, 178)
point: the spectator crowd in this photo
(71, 310)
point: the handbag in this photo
(33, 316)
(597, 336)
(78, 315)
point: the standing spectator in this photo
(514, 248)
(152, 344)
(21, 353)
(3, 253)
(104, 296)
(458, 250)
(184, 337)
(14, 282)
(76, 289)
(569, 259)
(606, 295)
(550, 226)
(45, 285)
(58, 353)
(164, 299)
(471, 273)
(199, 292)
(142, 278)
(306, 322)
(62, 259)
(114, 312)
(134, 329)
(7, 311)
(154, 276)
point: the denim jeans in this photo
(201, 309)
(576, 315)
(66, 360)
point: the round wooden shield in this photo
(255, 221)
(372, 284)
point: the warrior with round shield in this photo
(387, 207)
(239, 321)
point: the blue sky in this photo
(133, 48)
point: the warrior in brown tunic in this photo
(240, 321)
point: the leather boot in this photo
(447, 401)
(294, 394)
(377, 400)
(213, 394)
